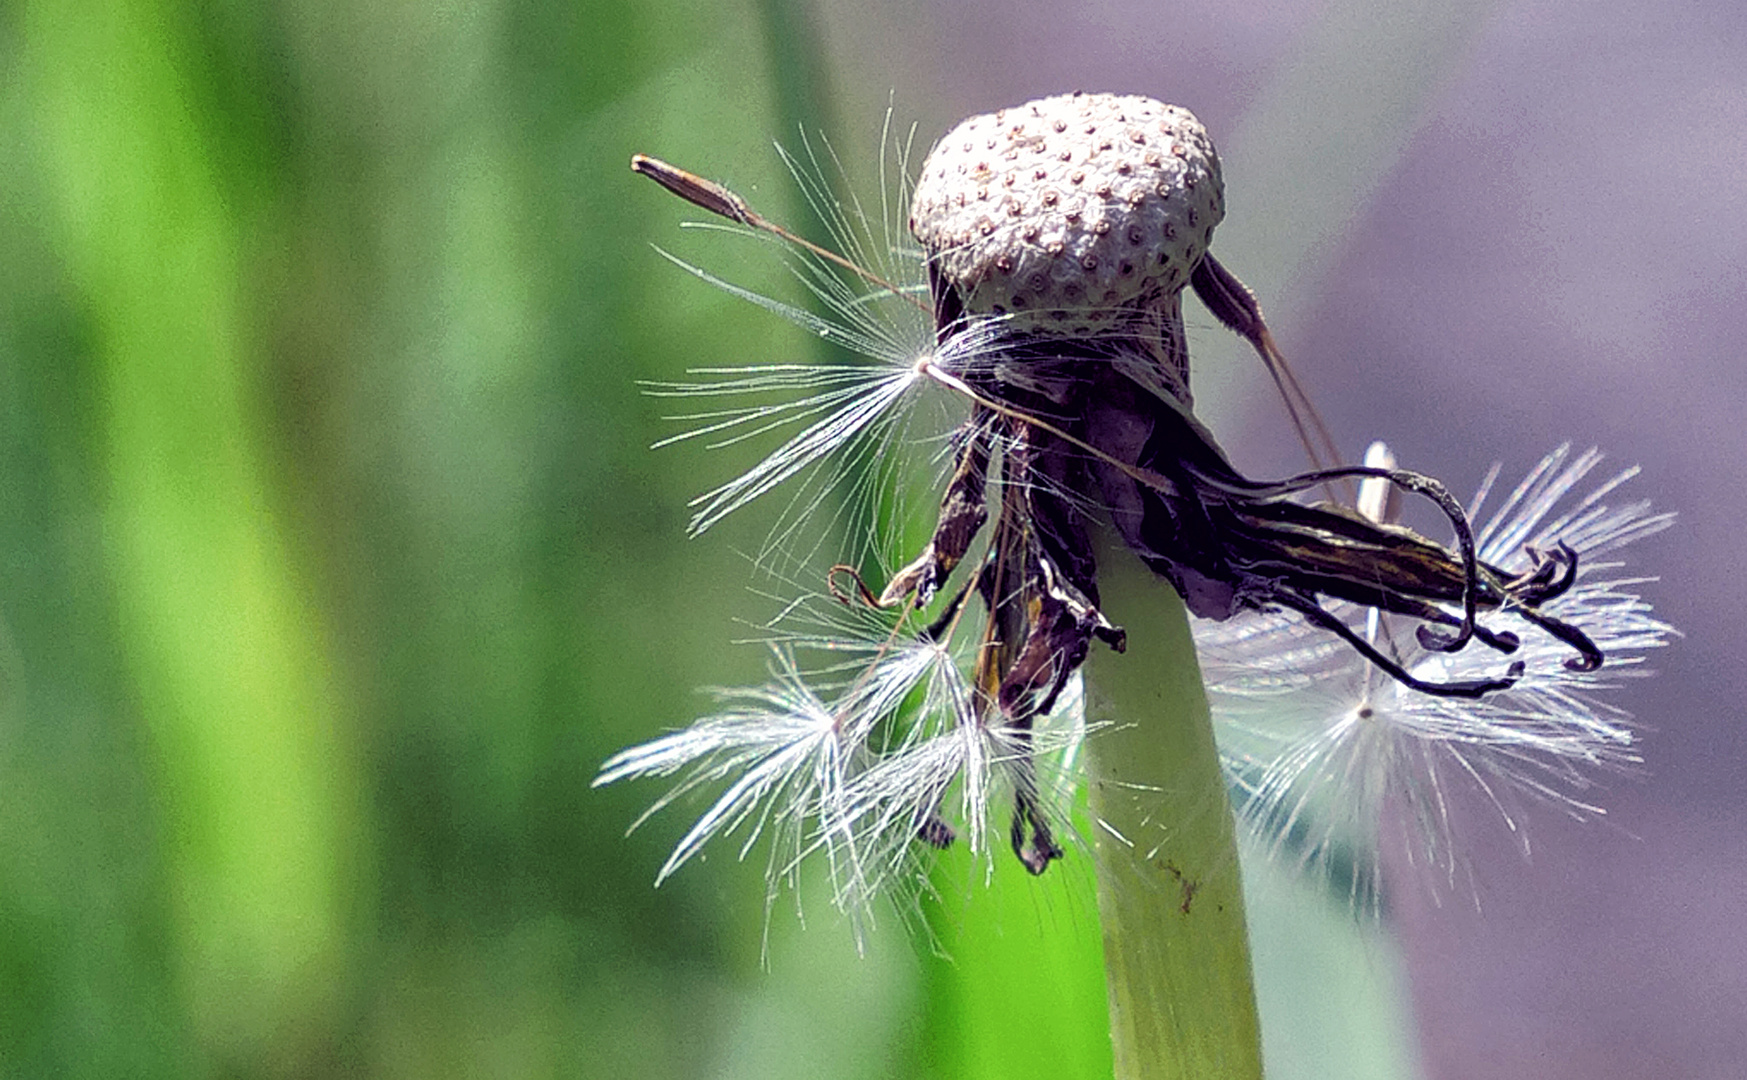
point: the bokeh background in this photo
(333, 561)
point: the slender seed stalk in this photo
(1170, 894)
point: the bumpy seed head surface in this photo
(1069, 211)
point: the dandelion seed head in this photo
(1057, 238)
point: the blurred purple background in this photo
(1556, 253)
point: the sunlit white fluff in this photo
(967, 769)
(1321, 749)
(782, 750)
(780, 760)
(864, 737)
(870, 420)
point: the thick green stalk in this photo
(1170, 894)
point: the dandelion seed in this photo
(787, 758)
(857, 761)
(862, 420)
(961, 772)
(1318, 750)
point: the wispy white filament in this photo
(850, 763)
(1320, 747)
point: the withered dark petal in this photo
(1099, 426)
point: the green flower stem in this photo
(1170, 894)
